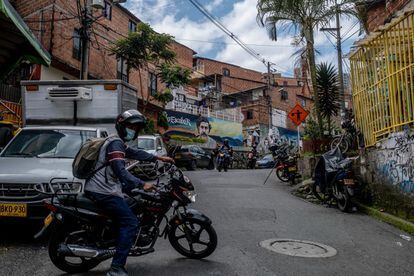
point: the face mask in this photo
(130, 134)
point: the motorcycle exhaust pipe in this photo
(73, 250)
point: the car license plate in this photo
(349, 182)
(13, 210)
(292, 169)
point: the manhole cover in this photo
(298, 248)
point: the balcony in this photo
(229, 114)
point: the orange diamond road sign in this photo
(298, 114)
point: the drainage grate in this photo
(298, 248)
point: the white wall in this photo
(51, 73)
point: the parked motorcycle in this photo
(285, 162)
(223, 160)
(334, 179)
(82, 237)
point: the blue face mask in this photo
(130, 134)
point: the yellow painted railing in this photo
(382, 72)
(11, 112)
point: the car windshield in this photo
(42, 143)
(146, 143)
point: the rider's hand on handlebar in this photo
(166, 159)
(148, 187)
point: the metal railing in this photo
(11, 112)
(10, 93)
(382, 70)
(230, 114)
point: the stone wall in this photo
(391, 162)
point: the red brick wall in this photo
(102, 65)
(380, 12)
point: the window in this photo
(152, 85)
(53, 143)
(284, 95)
(132, 26)
(77, 45)
(249, 115)
(122, 70)
(226, 72)
(181, 98)
(107, 10)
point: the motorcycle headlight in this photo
(190, 195)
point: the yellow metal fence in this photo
(382, 70)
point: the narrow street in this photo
(244, 213)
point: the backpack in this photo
(84, 164)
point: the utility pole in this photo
(269, 98)
(336, 32)
(340, 72)
(84, 36)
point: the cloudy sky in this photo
(191, 28)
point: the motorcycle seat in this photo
(81, 202)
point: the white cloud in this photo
(214, 4)
(241, 21)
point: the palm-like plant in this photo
(328, 91)
(303, 17)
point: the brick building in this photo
(56, 25)
(240, 87)
(380, 12)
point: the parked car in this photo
(38, 155)
(266, 162)
(152, 144)
(192, 157)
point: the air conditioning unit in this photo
(69, 94)
(98, 4)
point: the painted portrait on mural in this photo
(202, 130)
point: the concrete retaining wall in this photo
(391, 162)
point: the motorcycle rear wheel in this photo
(344, 200)
(281, 174)
(197, 228)
(61, 235)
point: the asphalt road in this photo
(244, 213)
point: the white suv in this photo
(152, 144)
(37, 155)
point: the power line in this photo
(216, 22)
(249, 44)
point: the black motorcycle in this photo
(223, 160)
(285, 163)
(82, 236)
(334, 179)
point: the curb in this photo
(388, 218)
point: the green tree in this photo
(143, 48)
(328, 91)
(303, 17)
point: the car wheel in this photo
(192, 166)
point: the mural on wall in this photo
(394, 161)
(205, 131)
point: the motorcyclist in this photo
(107, 186)
(227, 147)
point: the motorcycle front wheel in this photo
(282, 175)
(69, 264)
(193, 238)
